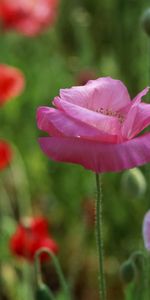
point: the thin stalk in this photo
(57, 267)
(5, 205)
(18, 175)
(146, 278)
(38, 273)
(99, 237)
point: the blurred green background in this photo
(107, 39)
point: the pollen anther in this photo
(109, 112)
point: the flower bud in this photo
(127, 271)
(138, 258)
(146, 21)
(43, 292)
(133, 183)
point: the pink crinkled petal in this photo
(135, 116)
(103, 92)
(96, 156)
(125, 110)
(56, 122)
(43, 122)
(146, 230)
(137, 119)
(107, 124)
(139, 96)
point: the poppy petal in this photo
(57, 123)
(137, 119)
(100, 121)
(146, 230)
(103, 92)
(5, 154)
(96, 156)
(12, 83)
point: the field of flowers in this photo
(66, 234)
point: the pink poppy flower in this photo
(5, 154)
(12, 83)
(97, 126)
(146, 230)
(28, 17)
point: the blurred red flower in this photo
(5, 154)
(28, 17)
(30, 236)
(11, 83)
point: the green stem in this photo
(5, 205)
(57, 267)
(17, 173)
(99, 236)
(146, 277)
(38, 273)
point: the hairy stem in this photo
(99, 236)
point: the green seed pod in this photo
(43, 293)
(127, 271)
(133, 183)
(146, 21)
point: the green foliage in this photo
(139, 289)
